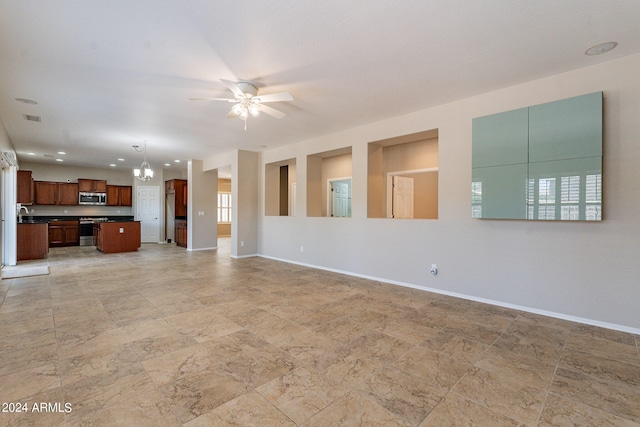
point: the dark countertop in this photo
(32, 219)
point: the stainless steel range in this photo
(86, 230)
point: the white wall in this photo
(588, 272)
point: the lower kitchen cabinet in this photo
(64, 233)
(181, 233)
(33, 241)
(114, 237)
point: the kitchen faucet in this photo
(20, 208)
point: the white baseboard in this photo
(202, 249)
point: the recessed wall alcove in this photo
(403, 177)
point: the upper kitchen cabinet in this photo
(92, 185)
(119, 195)
(25, 188)
(541, 163)
(55, 193)
(67, 193)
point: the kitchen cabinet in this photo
(92, 185)
(55, 193)
(67, 193)
(64, 233)
(33, 241)
(181, 233)
(46, 193)
(119, 195)
(114, 237)
(25, 188)
(178, 187)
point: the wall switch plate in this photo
(242, 243)
(121, 230)
(200, 213)
(301, 248)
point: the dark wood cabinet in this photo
(119, 195)
(25, 188)
(55, 193)
(33, 241)
(46, 193)
(64, 233)
(92, 185)
(178, 187)
(67, 193)
(113, 237)
(181, 233)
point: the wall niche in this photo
(403, 177)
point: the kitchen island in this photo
(117, 236)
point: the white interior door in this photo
(402, 197)
(148, 213)
(341, 198)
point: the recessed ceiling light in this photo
(113, 165)
(177, 161)
(26, 101)
(31, 153)
(121, 160)
(59, 160)
(601, 48)
(167, 164)
(61, 152)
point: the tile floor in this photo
(165, 337)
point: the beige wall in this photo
(581, 271)
(202, 209)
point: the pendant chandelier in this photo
(144, 172)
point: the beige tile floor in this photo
(165, 337)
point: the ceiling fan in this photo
(248, 102)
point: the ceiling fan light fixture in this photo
(254, 109)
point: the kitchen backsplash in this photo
(44, 210)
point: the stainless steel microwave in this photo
(92, 198)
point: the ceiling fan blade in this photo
(234, 88)
(213, 99)
(274, 97)
(271, 111)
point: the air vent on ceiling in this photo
(31, 118)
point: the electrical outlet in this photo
(242, 243)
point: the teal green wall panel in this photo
(566, 129)
(500, 139)
(582, 166)
(576, 190)
(501, 191)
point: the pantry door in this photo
(148, 213)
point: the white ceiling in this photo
(111, 74)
